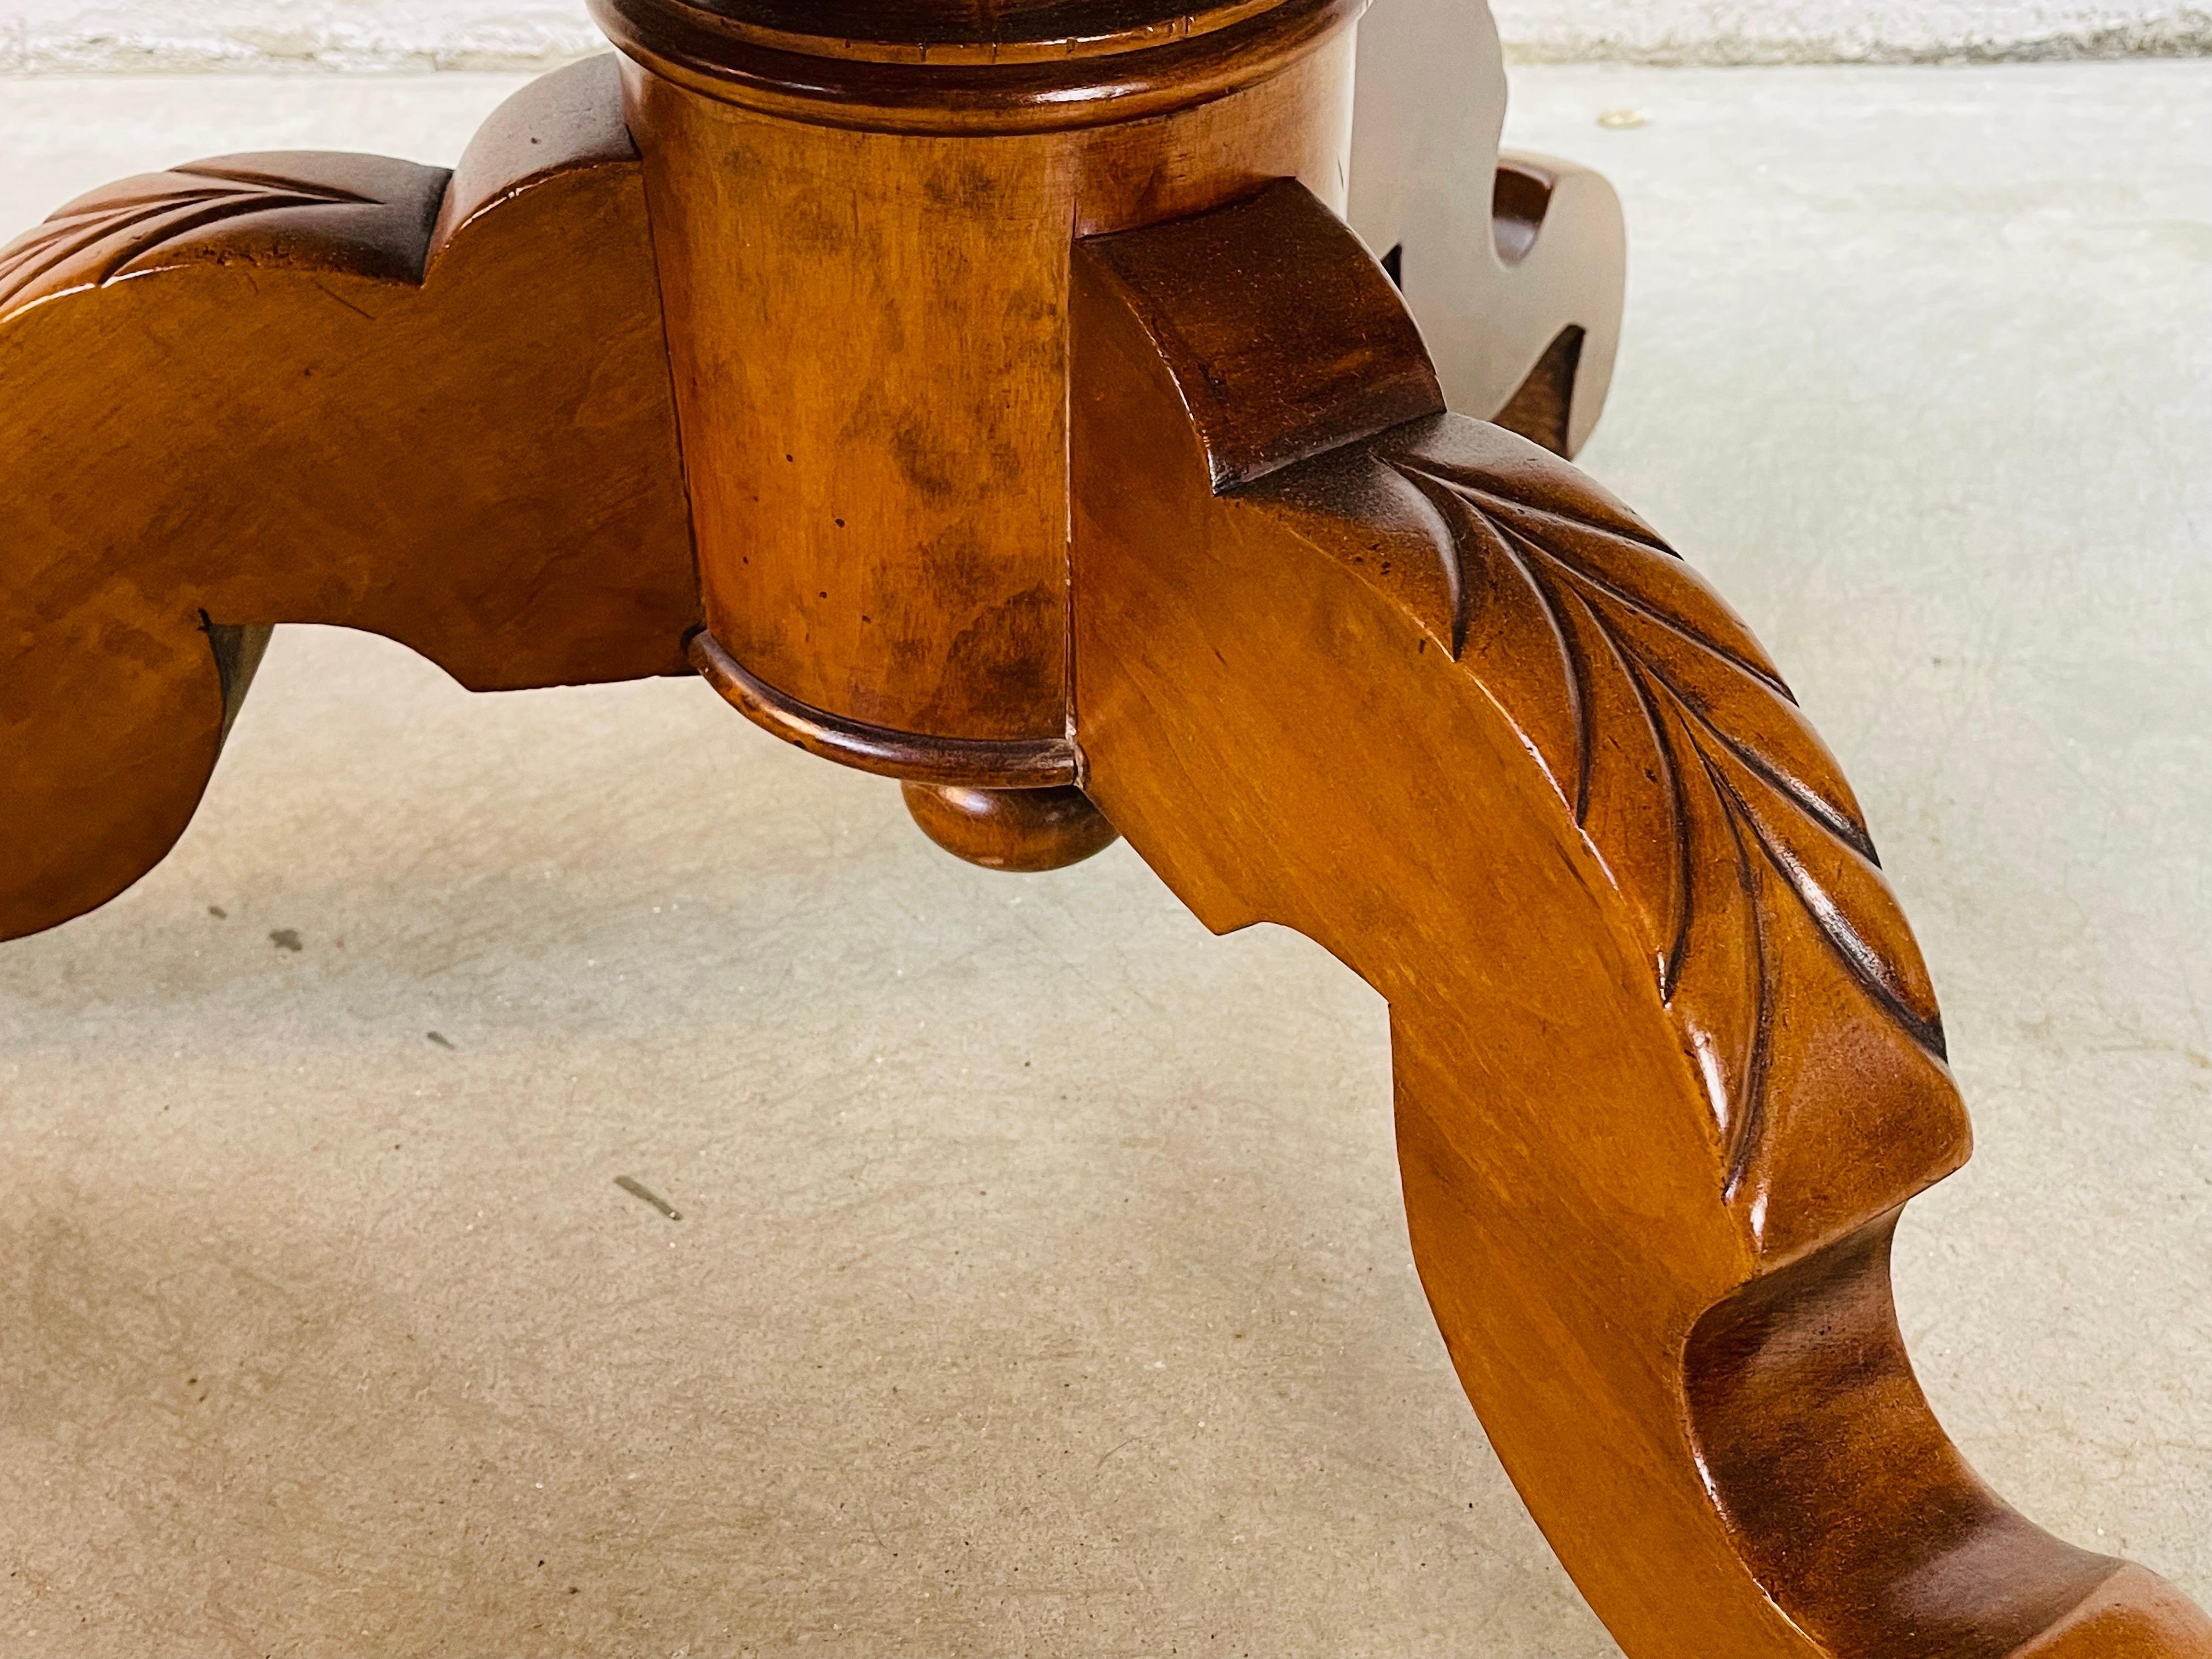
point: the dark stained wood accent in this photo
(1267, 387)
(1542, 410)
(1668, 1061)
(334, 389)
(959, 68)
(1807, 1361)
(962, 31)
(1002, 762)
(1021, 830)
(1520, 201)
(238, 654)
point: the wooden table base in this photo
(994, 398)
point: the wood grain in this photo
(1027, 380)
(1022, 832)
(968, 31)
(1542, 409)
(320, 388)
(1666, 1061)
(1718, 814)
(963, 763)
(869, 333)
(924, 67)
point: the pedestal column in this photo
(863, 217)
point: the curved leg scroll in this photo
(1514, 265)
(320, 388)
(1668, 1061)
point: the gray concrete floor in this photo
(1040, 1288)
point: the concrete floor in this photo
(1039, 1288)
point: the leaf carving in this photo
(91, 240)
(1719, 813)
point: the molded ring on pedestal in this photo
(970, 31)
(1009, 69)
(913, 756)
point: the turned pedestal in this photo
(999, 398)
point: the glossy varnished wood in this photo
(1019, 831)
(320, 388)
(869, 334)
(1668, 1061)
(1004, 762)
(969, 69)
(989, 33)
(1043, 425)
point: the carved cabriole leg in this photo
(330, 389)
(1667, 1062)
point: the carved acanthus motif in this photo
(95, 237)
(1678, 748)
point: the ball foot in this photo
(1019, 830)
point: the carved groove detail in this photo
(91, 240)
(1680, 751)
